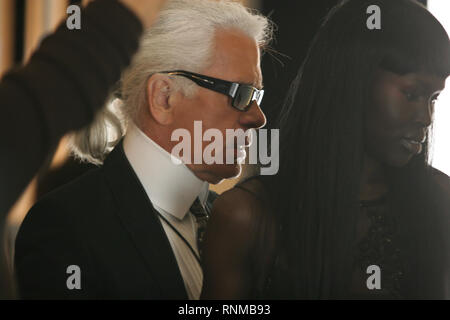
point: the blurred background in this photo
(23, 24)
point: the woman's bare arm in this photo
(230, 247)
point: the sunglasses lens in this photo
(245, 96)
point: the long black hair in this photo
(316, 192)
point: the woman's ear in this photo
(159, 88)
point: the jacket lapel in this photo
(141, 221)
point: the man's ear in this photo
(159, 88)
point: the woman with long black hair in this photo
(354, 189)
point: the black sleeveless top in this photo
(377, 244)
(379, 241)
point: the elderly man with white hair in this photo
(132, 228)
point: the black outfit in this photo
(377, 243)
(104, 223)
(66, 80)
(413, 257)
(409, 240)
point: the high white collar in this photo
(170, 187)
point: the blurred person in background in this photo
(66, 80)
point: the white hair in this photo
(182, 38)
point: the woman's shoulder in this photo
(233, 227)
(254, 188)
(242, 205)
(442, 180)
(231, 239)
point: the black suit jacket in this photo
(104, 223)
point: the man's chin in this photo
(231, 171)
(215, 174)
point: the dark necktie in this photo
(201, 217)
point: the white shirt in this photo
(172, 190)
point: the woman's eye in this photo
(433, 101)
(413, 96)
(434, 98)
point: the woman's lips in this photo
(413, 146)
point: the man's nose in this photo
(253, 117)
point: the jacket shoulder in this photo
(68, 204)
(52, 237)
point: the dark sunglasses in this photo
(242, 95)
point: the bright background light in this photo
(441, 142)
